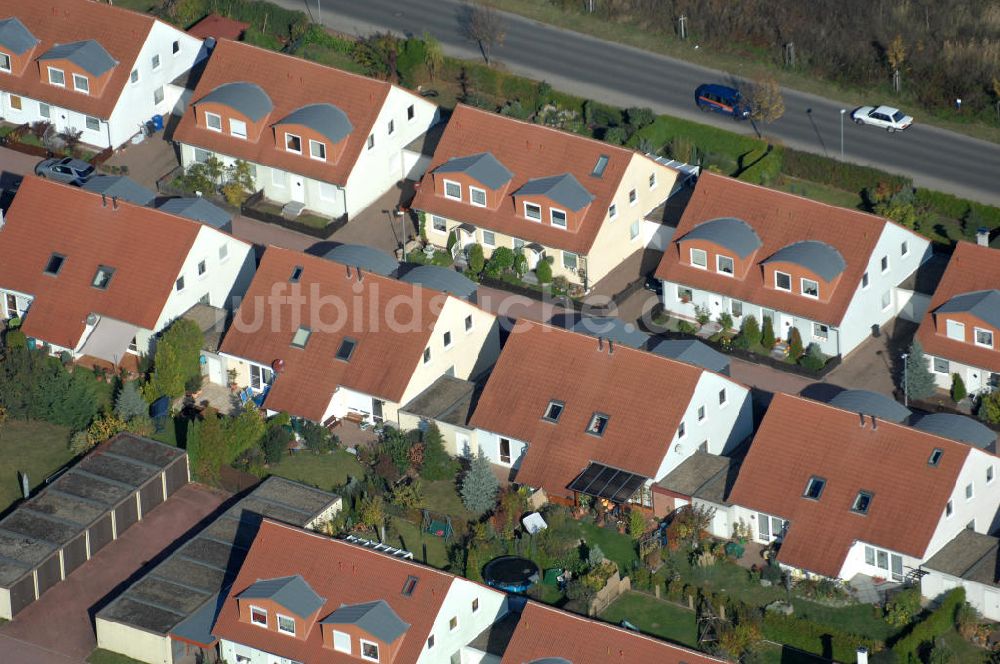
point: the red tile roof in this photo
(121, 32)
(391, 321)
(145, 247)
(971, 268)
(799, 439)
(547, 632)
(291, 83)
(645, 396)
(530, 151)
(341, 573)
(780, 219)
(218, 27)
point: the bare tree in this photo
(483, 24)
(767, 104)
(896, 55)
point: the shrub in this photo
(958, 391)
(543, 271)
(438, 464)
(636, 524)
(36, 386)
(795, 348)
(813, 359)
(480, 485)
(725, 320)
(989, 407)
(749, 332)
(520, 265)
(104, 427)
(840, 174)
(639, 118)
(814, 637)
(938, 623)
(317, 437)
(685, 327)
(129, 404)
(275, 443)
(503, 258)
(919, 380)
(905, 605)
(616, 135)
(702, 314)
(476, 259)
(954, 207)
(15, 339)
(767, 334)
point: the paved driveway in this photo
(57, 629)
(15, 164)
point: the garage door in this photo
(100, 534)
(22, 593)
(176, 475)
(151, 495)
(126, 514)
(75, 553)
(49, 573)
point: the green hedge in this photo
(938, 623)
(812, 637)
(839, 174)
(954, 207)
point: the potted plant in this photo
(231, 375)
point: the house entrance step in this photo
(292, 209)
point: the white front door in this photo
(973, 380)
(215, 370)
(296, 188)
(991, 604)
(786, 326)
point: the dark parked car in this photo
(66, 169)
(721, 99)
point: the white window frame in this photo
(175, 48)
(447, 339)
(444, 223)
(865, 281)
(85, 88)
(723, 398)
(8, 68)
(935, 360)
(411, 113)
(904, 248)
(950, 325)
(633, 198)
(472, 198)
(158, 92)
(457, 184)
(453, 619)
(234, 124)
(990, 474)
(16, 106)
(134, 76)
(552, 217)
(949, 510)
(777, 287)
(817, 332)
(277, 622)
(371, 141)
(254, 622)
(970, 491)
(470, 323)
(288, 149)
(634, 230)
(703, 253)
(975, 338)
(208, 121)
(652, 180)
(91, 120)
(612, 211)
(328, 191)
(202, 268)
(802, 287)
(718, 265)
(701, 413)
(537, 219)
(361, 650)
(888, 304)
(274, 178)
(61, 73)
(224, 253)
(313, 144)
(155, 62)
(489, 234)
(576, 260)
(885, 265)
(340, 648)
(681, 430)
(45, 110)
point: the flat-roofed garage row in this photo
(53, 533)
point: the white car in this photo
(885, 117)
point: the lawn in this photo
(324, 471)
(101, 656)
(425, 548)
(860, 619)
(442, 497)
(654, 617)
(35, 448)
(820, 192)
(617, 547)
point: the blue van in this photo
(721, 99)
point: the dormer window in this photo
(984, 338)
(286, 625)
(477, 196)
(553, 411)
(452, 190)
(814, 488)
(317, 150)
(342, 641)
(955, 330)
(57, 77)
(258, 616)
(293, 143)
(213, 121)
(810, 288)
(369, 651)
(725, 265)
(699, 258)
(533, 211)
(598, 423)
(237, 128)
(55, 264)
(862, 502)
(102, 278)
(782, 281)
(81, 83)
(558, 218)
(4, 62)
(935, 457)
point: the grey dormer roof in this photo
(563, 189)
(867, 402)
(693, 352)
(443, 279)
(484, 168)
(958, 427)
(733, 234)
(326, 119)
(198, 209)
(365, 257)
(291, 592)
(15, 37)
(819, 257)
(376, 618)
(88, 55)
(121, 187)
(247, 98)
(984, 305)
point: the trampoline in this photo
(511, 574)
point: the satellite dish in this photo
(92, 319)
(278, 365)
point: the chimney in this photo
(600, 344)
(611, 346)
(114, 202)
(348, 271)
(862, 416)
(983, 237)
(104, 201)
(862, 655)
(874, 423)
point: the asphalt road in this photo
(625, 76)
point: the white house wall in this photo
(866, 308)
(854, 562)
(136, 104)
(984, 598)
(975, 378)
(455, 438)
(133, 642)
(982, 507)
(380, 168)
(489, 443)
(458, 604)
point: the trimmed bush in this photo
(839, 174)
(958, 391)
(795, 348)
(812, 637)
(938, 623)
(544, 272)
(767, 334)
(954, 207)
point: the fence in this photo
(250, 209)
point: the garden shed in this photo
(58, 530)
